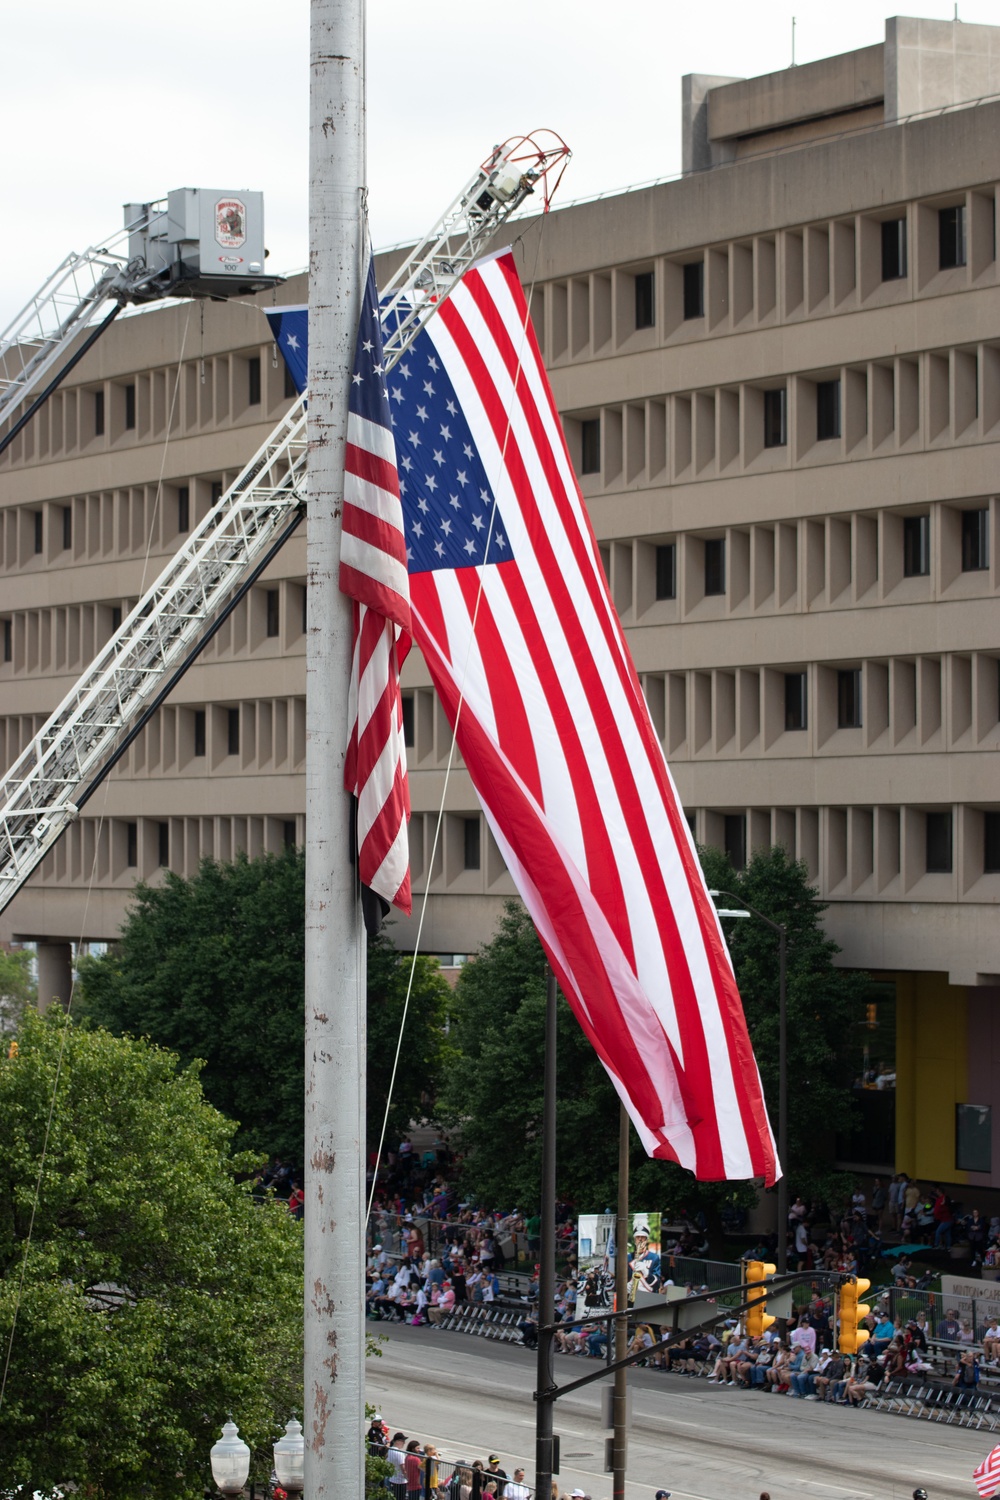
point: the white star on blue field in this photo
(447, 497)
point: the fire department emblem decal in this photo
(231, 223)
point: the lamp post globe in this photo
(230, 1460)
(290, 1458)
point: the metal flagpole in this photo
(620, 1399)
(335, 952)
(545, 1379)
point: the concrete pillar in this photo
(55, 974)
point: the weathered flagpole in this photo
(335, 952)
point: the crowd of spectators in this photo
(419, 1472)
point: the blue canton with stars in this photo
(448, 500)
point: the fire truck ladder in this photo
(77, 292)
(91, 729)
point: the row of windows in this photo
(201, 393)
(936, 853)
(914, 539)
(904, 404)
(890, 851)
(141, 519)
(889, 705)
(262, 735)
(66, 638)
(836, 266)
(119, 851)
(941, 552)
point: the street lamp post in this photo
(230, 1458)
(289, 1458)
(781, 929)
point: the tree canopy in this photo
(213, 968)
(494, 1096)
(146, 1295)
(17, 987)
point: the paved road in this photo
(470, 1397)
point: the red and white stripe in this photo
(557, 738)
(987, 1476)
(373, 573)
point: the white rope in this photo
(454, 738)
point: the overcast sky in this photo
(119, 101)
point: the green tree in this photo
(823, 1005)
(426, 1053)
(146, 1295)
(213, 968)
(17, 987)
(494, 1093)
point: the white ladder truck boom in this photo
(196, 242)
(93, 726)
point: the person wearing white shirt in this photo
(516, 1489)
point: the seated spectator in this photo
(991, 1342)
(965, 1333)
(804, 1363)
(949, 1327)
(830, 1377)
(882, 1335)
(778, 1374)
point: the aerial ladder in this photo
(45, 788)
(196, 242)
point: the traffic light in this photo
(757, 1320)
(851, 1312)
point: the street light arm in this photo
(750, 910)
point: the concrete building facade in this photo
(780, 381)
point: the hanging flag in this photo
(987, 1476)
(373, 573)
(290, 331)
(512, 613)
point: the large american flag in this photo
(373, 573)
(512, 613)
(987, 1476)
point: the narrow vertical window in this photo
(116, 618)
(645, 311)
(939, 843)
(735, 839)
(233, 731)
(184, 508)
(975, 540)
(98, 413)
(991, 843)
(67, 527)
(849, 698)
(130, 406)
(776, 418)
(253, 380)
(273, 612)
(288, 833)
(290, 391)
(694, 289)
(8, 640)
(666, 571)
(216, 491)
(827, 410)
(916, 546)
(472, 843)
(796, 704)
(715, 565)
(37, 524)
(893, 249)
(408, 725)
(951, 237)
(590, 446)
(199, 731)
(131, 844)
(163, 843)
